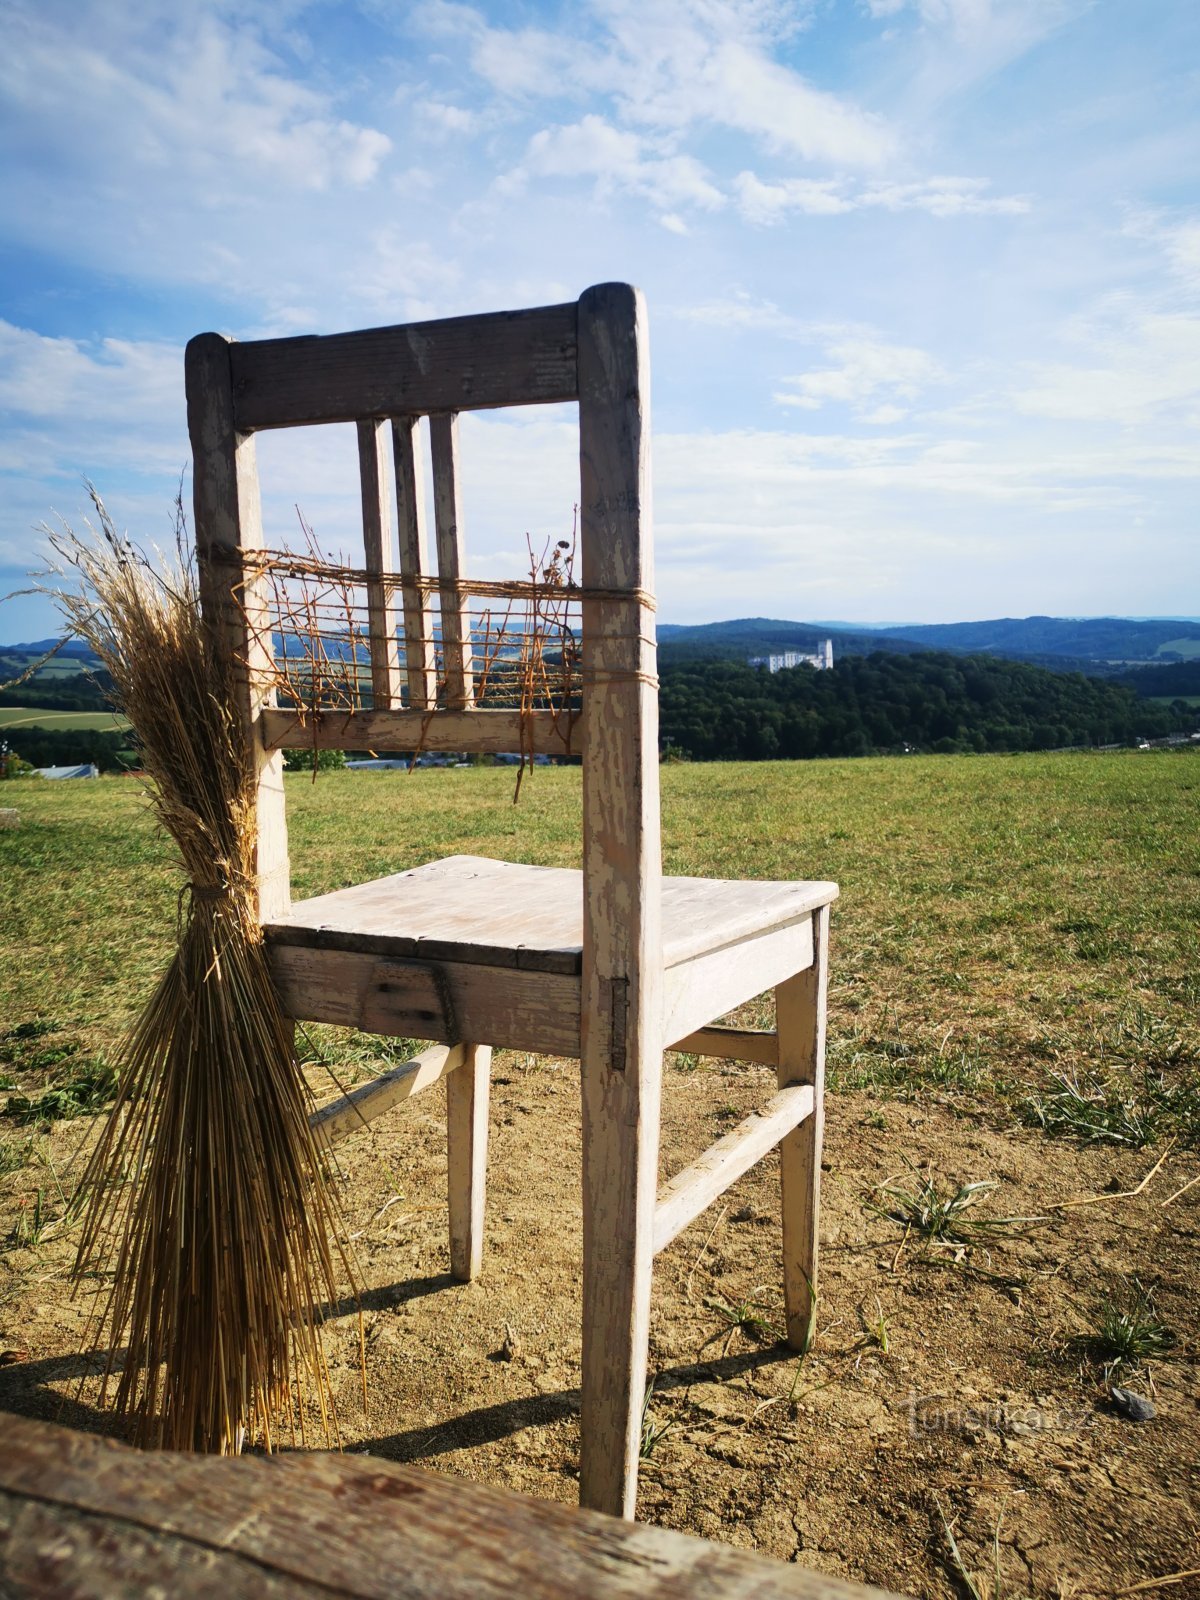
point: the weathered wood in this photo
(83, 1516)
(694, 1189)
(420, 666)
(504, 913)
(457, 652)
(362, 1105)
(621, 1036)
(800, 1006)
(467, 1096)
(449, 1002)
(228, 525)
(714, 983)
(504, 358)
(377, 543)
(492, 732)
(731, 1044)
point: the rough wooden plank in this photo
(714, 984)
(362, 1105)
(695, 1188)
(800, 1006)
(420, 666)
(81, 1516)
(622, 1035)
(457, 364)
(377, 543)
(228, 524)
(467, 1096)
(448, 1002)
(732, 1044)
(457, 652)
(470, 908)
(491, 732)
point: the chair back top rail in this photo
(456, 364)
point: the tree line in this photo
(884, 702)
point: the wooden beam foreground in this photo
(81, 1515)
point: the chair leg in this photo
(800, 1023)
(620, 1185)
(467, 1093)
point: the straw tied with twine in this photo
(523, 652)
(206, 1198)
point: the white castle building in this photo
(821, 658)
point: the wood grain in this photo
(456, 364)
(362, 1105)
(420, 667)
(491, 732)
(693, 1190)
(227, 522)
(457, 652)
(377, 543)
(449, 1002)
(504, 913)
(82, 1516)
(800, 1007)
(622, 1037)
(731, 1044)
(467, 1096)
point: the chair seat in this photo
(499, 913)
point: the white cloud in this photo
(868, 374)
(189, 93)
(442, 121)
(765, 202)
(674, 67)
(1141, 366)
(617, 159)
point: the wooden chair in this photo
(611, 965)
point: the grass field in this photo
(1015, 997)
(13, 717)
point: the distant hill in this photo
(1108, 639)
(756, 636)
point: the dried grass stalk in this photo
(205, 1197)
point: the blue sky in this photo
(923, 275)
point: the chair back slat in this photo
(457, 646)
(505, 358)
(383, 645)
(420, 667)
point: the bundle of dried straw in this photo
(206, 1197)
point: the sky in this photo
(923, 276)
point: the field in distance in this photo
(65, 721)
(1014, 1004)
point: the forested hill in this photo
(760, 636)
(724, 710)
(1087, 638)
(1090, 644)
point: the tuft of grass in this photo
(746, 1317)
(876, 1327)
(85, 1089)
(653, 1431)
(941, 1217)
(14, 1155)
(1119, 1108)
(1128, 1329)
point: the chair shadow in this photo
(25, 1387)
(489, 1424)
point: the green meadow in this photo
(13, 718)
(1014, 933)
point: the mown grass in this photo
(1016, 934)
(28, 717)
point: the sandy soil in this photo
(985, 1410)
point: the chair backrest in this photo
(593, 352)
